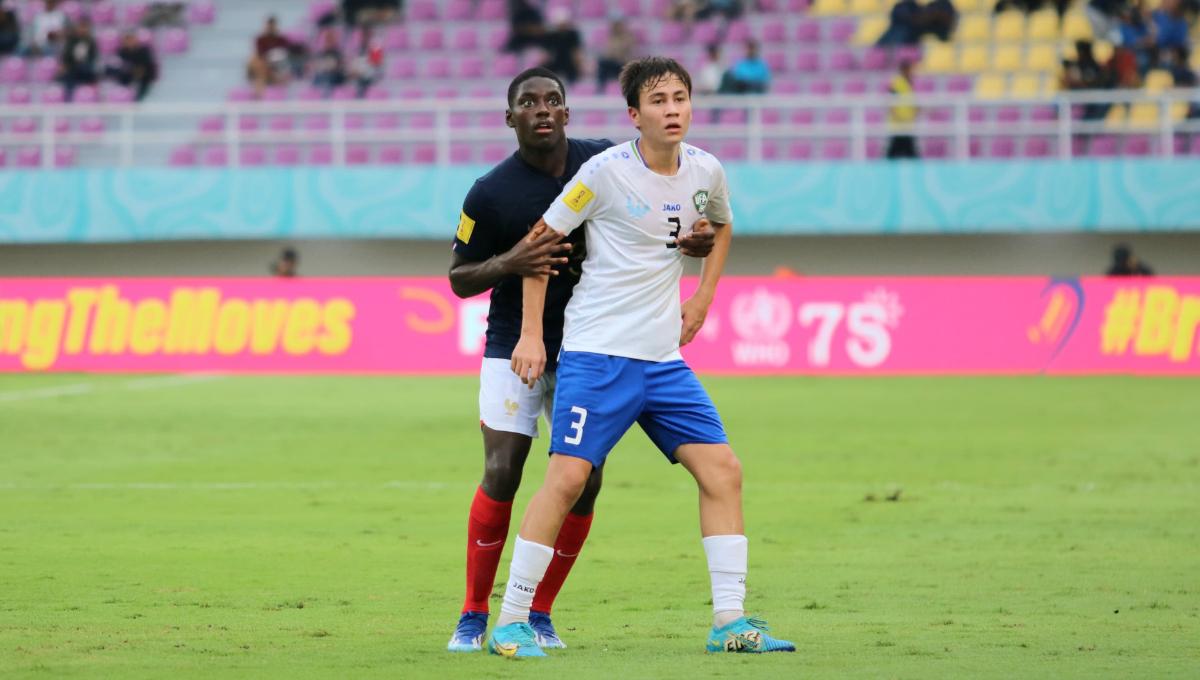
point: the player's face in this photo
(539, 114)
(664, 112)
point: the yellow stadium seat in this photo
(1179, 111)
(1076, 26)
(939, 58)
(1009, 27)
(973, 58)
(1102, 50)
(869, 30)
(1025, 86)
(868, 7)
(966, 6)
(1043, 25)
(1041, 58)
(1007, 58)
(1159, 80)
(829, 7)
(990, 86)
(975, 28)
(1143, 114)
(1117, 116)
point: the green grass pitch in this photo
(314, 527)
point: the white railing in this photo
(134, 134)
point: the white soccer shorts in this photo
(506, 404)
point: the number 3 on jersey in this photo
(577, 426)
(674, 221)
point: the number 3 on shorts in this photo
(577, 426)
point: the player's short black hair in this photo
(639, 72)
(530, 73)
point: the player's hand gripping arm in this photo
(529, 257)
(698, 243)
(695, 308)
(529, 356)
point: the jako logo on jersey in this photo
(700, 200)
(636, 207)
(671, 207)
(578, 198)
(466, 226)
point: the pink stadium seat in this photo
(737, 32)
(241, 93)
(29, 157)
(788, 87)
(248, 123)
(62, 126)
(774, 32)
(493, 10)
(104, 13)
(459, 10)
(72, 10)
(13, 70)
(772, 116)
(402, 67)
(134, 13)
(202, 12)
(212, 124)
(875, 59)
(378, 93)
(86, 94)
(777, 61)
(909, 53)
(466, 39)
(345, 93)
(437, 67)
(732, 150)
(841, 30)
(705, 32)
(874, 148)
(1037, 147)
(45, 70)
(854, 86)
(424, 154)
(421, 121)
(1008, 114)
(1103, 146)
(311, 93)
(396, 38)
(799, 5)
(1138, 146)
(66, 157)
(835, 150)
(459, 120)
(808, 31)
(940, 114)
(182, 157)
(808, 62)
(446, 92)
(977, 114)
(837, 117)
(253, 156)
(505, 66)
(320, 8)
(431, 38)
(321, 155)
(358, 154)
(175, 41)
(1003, 147)
(1079, 147)
(1043, 114)
(422, 10)
(958, 84)
(53, 95)
(461, 153)
(597, 35)
(387, 121)
(875, 117)
(670, 33)
(118, 95)
(1196, 145)
(282, 123)
(592, 9)
(820, 86)
(800, 150)
(92, 126)
(629, 8)
(496, 38)
(391, 155)
(924, 85)
(934, 147)
(803, 117)
(494, 153)
(215, 157)
(287, 155)
(20, 96)
(108, 41)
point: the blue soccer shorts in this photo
(599, 397)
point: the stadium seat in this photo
(774, 32)
(1036, 147)
(215, 157)
(391, 155)
(175, 41)
(1138, 146)
(1043, 25)
(1006, 58)
(990, 86)
(182, 156)
(44, 70)
(421, 10)
(466, 39)
(842, 30)
(104, 13)
(200, 12)
(431, 38)
(1042, 58)
(357, 154)
(13, 70)
(1158, 80)
(1143, 115)
(841, 60)
(835, 150)
(737, 32)
(321, 154)
(492, 10)
(829, 8)
(1009, 27)
(108, 41)
(939, 58)
(973, 58)
(1102, 146)
(809, 31)
(973, 28)
(1025, 86)
(253, 156)
(870, 29)
(808, 62)
(869, 7)
(396, 38)
(1076, 26)
(875, 59)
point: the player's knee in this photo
(591, 489)
(501, 478)
(726, 470)
(569, 482)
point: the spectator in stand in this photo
(526, 25)
(1125, 263)
(621, 49)
(751, 75)
(904, 25)
(367, 68)
(1177, 61)
(136, 65)
(79, 64)
(939, 18)
(10, 29)
(370, 12)
(1170, 27)
(564, 45)
(682, 11)
(1105, 17)
(269, 65)
(902, 115)
(1136, 36)
(708, 78)
(730, 9)
(1030, 6)
(329, 66)
(285, 266)
(49, 31)
(1085, 73)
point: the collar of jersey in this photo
(638, 154)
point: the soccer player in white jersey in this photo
(620, 360)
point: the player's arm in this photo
(529, 257)
(529, 356)
(695, 308)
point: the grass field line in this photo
(78, 389)
(408, 485)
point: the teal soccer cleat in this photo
(468, 635)
(746, 636)
(543, 631)
(516, 640)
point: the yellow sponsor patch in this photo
(466, 226)
(578, 198)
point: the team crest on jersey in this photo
(700, 200)
(636, 206)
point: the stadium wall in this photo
(128, 205)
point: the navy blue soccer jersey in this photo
(499, 211)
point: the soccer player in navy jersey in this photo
(491, 251)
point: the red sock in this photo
(570, 541)
(487, 529)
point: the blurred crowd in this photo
(72, 43)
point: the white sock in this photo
(529, 563)
(727, 558)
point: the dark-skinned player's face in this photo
(539, 114)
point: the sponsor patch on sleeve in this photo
(578, 198)
(466, 226)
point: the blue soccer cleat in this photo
(746, 636)
(468, 636)
(515, 640)
(543, 631)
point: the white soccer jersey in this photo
(627, 302)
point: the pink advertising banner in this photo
(756, 326)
